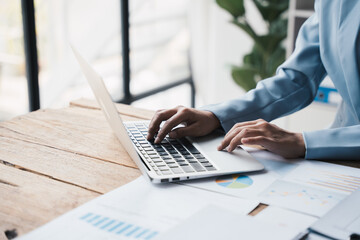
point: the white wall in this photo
(216, 45)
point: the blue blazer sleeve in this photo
(337, 143)
(292, 88)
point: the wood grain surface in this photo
(55, 160)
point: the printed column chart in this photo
(340, 179)
(340, 182)
(117, 227)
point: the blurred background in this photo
(170, 40)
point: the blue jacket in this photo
(328, 43)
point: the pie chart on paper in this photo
(234, 181)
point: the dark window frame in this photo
(32, 67)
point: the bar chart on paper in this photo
(118, 228)
(301, 198)
(341, 180)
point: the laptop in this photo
(173, 159)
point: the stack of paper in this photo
(138, 210)
(214, 223)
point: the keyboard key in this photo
(169, 161)
(176, 170)
(157, 160)
(172, 165)
(163, 168)
(166, 172)
(179, 160)
(199, 156)
(207, 164)
(204, 160)
(210, 168)
(197, 167)
(183, 164)
(160, 149)
(193, 150)
(184, 152)
(192, 160)
(160, 164)
(166, 157)
(187, 169)
(188, 157)
(163, 154)
(176, 156)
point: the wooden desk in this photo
(55, 160)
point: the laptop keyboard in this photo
(171, 156)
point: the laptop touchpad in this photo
(238, 160)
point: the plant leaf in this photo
(279, 27)
(244, 77)
(255, 59)
(234, 7)
(269, 43)
(247, 28)
(270, 10)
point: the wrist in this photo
(301, 144)
(215, 122)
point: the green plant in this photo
(267, 53)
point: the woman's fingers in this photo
(244, 133)
(180, 132)
(247, 127)
(160, 115)
(172, 122)
(228, 137)
(271, 137)
(258, 140)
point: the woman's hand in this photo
(197, 123)
(271, 137)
